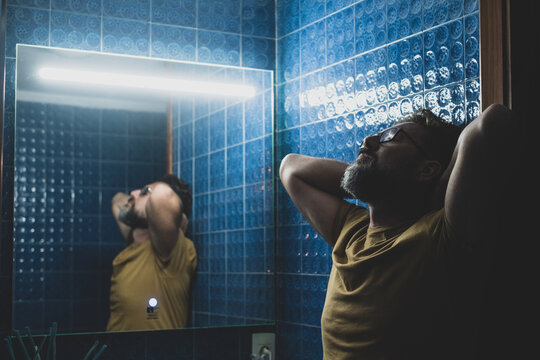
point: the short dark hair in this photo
(442, 136)
(181, 188)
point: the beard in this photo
(131, 218)
(366, 181)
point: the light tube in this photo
(146, 82)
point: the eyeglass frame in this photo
(393, 135)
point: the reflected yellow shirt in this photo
(139, 274)
(389, 293)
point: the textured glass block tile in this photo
(185, 111)
(113, 147)
(313, 139)
(58, 311)
(258, 18)
(115, 122)
(26, 26)
(254, 250)
(340, 36)
(371, 80)
(217, 130)
(113, 174)
(58, 286)
(235, 166)
(405, 67)
(75, 31)
(258, 294)
(85, 257)
(87, 201)
(235, 208)
(341, 138)
(291, 304)
(404, 17)
(438, 12)
(86, 287)
(313, 49)
(315, 252)
(370, 25)
(472, 100)
(254, 205)
(217, 253)
(173, 43)
(125, 36)
(311, 11)
(127, 9)
(218, 294)
(59, 230)
(472, 60)
(336, 5)
(254, 161)
(59, 200)
(59, 257)
(313, 294)
(174, 12)
(30, 142)
(235, 252)
(201, 130)
(186, 171)
(235, 124)
(470, 6)
(217, 170)
(31, 115)
(28, 314)
(288, 106)
(79, 6)
(235, 294)
(288, 142)
(186, 141)
(218, 48)
(29, 286)
(217, 211)
(288, 16)
(254, 117)
(220, 15)
(84, 316)
(268, 112)
(311, 342)
(86, 173)
(258, 53)
(288, 66)
(201, 174)
(86, 120)
(139, 175)
(290, 248)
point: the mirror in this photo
(77, 143)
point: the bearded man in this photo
(409, 269)
(152, 276)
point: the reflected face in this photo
(384, 167)
(133, 213)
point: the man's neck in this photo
(396, 212)
(140, 235)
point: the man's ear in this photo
(428, 170)
(184, 223)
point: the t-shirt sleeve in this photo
(345, 212)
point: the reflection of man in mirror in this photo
(151, 280)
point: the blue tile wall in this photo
(69, 162)
(346, 69)
(224, 150)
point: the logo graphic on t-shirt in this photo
(152, 309)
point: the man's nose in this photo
(135, 193)
(371, 142)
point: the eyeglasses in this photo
(389, 135)
(145, 190)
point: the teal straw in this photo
(87, 356)
(34, 347)
(22, 344)
(99, 352)
(37, 356)
(10, 347)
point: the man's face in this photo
(133, 212)
(383, 170)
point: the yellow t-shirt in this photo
(389, 294)
(139, 275)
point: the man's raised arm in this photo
(314, 186)
(482, 174)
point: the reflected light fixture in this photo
(146, 82)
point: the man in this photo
(408, 272)
(151, 280)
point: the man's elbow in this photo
(286, 166)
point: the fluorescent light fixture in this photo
(146, 82)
